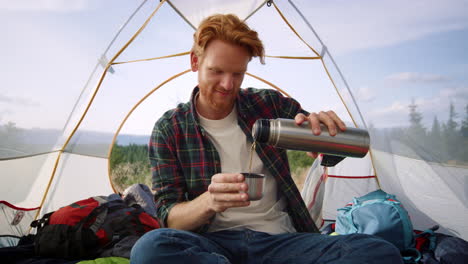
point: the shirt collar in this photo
(193, 109)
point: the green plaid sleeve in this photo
(168, 180)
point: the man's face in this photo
(221, 71)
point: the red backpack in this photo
(87, 227)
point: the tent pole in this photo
(128, 115)
(182, 16)
(98, 63)
(294, 30)
(331, 58)
(255, 11)
(325, 50)
(103, 75)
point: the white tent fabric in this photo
(429, 199)
(67, 107)
(328, 188)
(429, 192)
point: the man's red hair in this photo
(228, 28)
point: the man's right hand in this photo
(224, 192)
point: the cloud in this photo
(365, 94)
(4, 112)
(440, 101)
(416, 77)
(44, 5)
(391, 115)
(18, 100)
(396, 107)
(374, 24)
(455, 93)
(397, 113)
(439, 104)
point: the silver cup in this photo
(255, 183)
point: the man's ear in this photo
(194, 61)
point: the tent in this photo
(91, 75)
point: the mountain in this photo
(126, 139)
(38, 136)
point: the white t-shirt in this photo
(265, 215)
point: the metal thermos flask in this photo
(284, 133)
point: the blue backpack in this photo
(381, 214)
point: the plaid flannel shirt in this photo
(183, 159)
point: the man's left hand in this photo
(328, 118)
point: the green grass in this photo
(130, 165)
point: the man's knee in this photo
(174, 246)
(150, 245)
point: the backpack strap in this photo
(428, 234)
(41, 222)
(411, 255)
(136, 216)
(100, 213)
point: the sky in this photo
(400, 51)
(390, 52)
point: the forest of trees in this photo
(9, 140)
(445, 142)
(130, 164)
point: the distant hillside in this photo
(50, 137)
(16, 141)
(126, 139)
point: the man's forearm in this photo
(190, 215)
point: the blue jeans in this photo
(175, 246)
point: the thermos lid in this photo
(261, 130)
